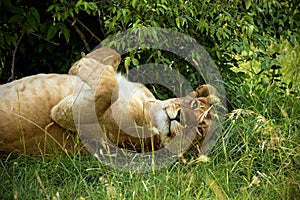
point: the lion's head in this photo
(185, 120)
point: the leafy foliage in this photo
(232, 31)
(226, 29)
(41, 37)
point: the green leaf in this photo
(135, 62)
(76, 10)
(127, 63)
(265, 64)
(36, 14)
(79, 3)
(177, 22)
(133, 3)
(50, 8)
(66, 33)
(32, 23)
(65, 16)
(51, 32)
(124, 13)
(15, 19)
(249, 30)
(248, 4)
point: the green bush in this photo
(41, 36)
(50, 36)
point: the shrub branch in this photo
(12, 70)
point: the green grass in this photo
(256, 157)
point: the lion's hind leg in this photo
(102, 80)
(99, 91)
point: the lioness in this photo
(37, 113)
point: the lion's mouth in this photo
(177, 116)
(175, 122)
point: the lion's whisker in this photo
(204, 114)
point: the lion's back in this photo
(25, 104)
(35, 93)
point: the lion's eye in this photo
(194, 104)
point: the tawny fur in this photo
(36, 112)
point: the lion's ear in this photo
(208, 94)
(204, 91)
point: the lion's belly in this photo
(25, 107)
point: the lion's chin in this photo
(175, 128)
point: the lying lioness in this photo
(37, 113)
